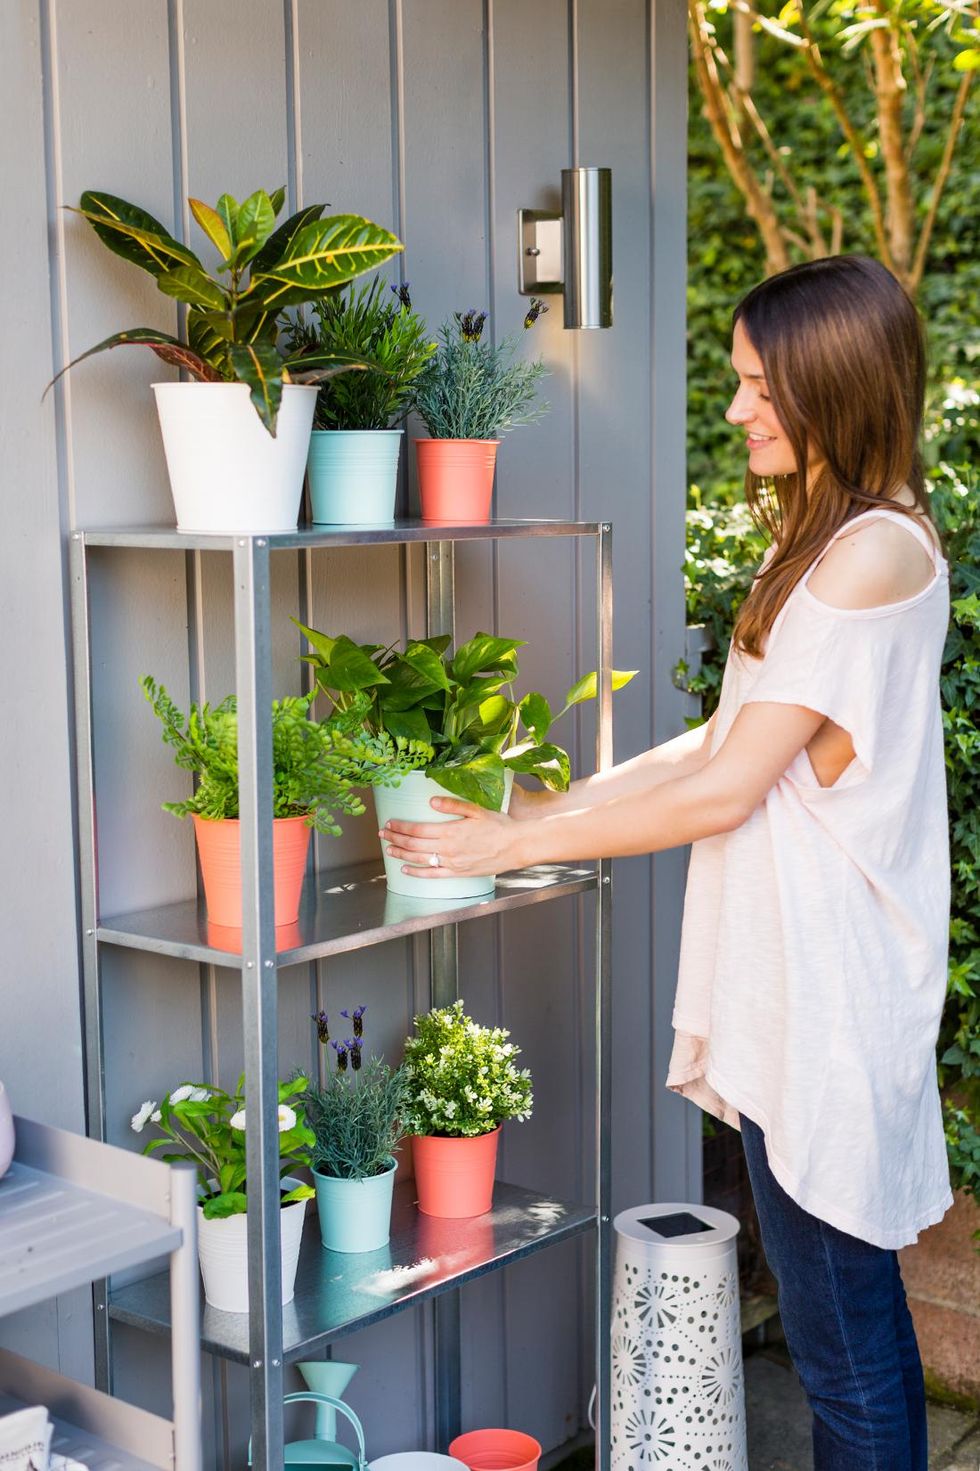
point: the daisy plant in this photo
(207, 1126)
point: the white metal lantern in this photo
(678, 1395)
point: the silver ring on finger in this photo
(434, 860)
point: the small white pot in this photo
(227, 473)
(223, 1251)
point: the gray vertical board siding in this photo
(614, 471)
(40, 1043)
(677, 1126)
(529, 110)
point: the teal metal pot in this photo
(354, 476)
(410, 802)
(355, 1215)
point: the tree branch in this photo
(945, 165)
(855, 141)
(714, 94)
(890, 89)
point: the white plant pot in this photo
(223, 1251)
(409, 802)
(227, 473)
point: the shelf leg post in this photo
(603, 1019)
(81, 638)
(185, 1318)
(253, 682)
(440, 606)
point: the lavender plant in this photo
(356, 1115)
(473, 389)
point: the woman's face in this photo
(770, 452)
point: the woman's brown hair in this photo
(844, 357)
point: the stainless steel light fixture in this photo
(572, 252)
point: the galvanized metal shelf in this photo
(341, 912)
(342, 909)
(337, 1293)
(398, 533)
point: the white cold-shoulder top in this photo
(814, 944)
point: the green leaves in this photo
(321, 255)
(473, 776)
(260, 366)
(170, 349)
(585, 688)
(233, 328)
(130, 232)
(453, 705)
(486, 654)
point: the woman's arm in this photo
(680, 756)
(714, 797)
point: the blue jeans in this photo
(848, 1330)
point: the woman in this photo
(814, 945)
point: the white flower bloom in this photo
(139, 1119)
(287, 1118)
(155, 1116)
(237, 1120)
(200, 1094)
(184, 1092)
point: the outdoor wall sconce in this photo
(572, 252)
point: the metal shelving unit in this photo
(72, 1210)
(343, 909)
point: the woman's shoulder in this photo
(871, 565)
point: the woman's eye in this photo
(765, 398)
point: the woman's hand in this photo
(482, 843)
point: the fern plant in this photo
(316, 767)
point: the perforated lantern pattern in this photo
(678, 1400)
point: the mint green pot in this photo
(410, 801)
(354, 476)
(355, 1215)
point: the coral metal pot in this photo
(454, 1177)
(456, 479)
(219, 846)
(497, 1450)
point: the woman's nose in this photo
(739, 411)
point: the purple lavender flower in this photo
(355, 1017)
(471, 324)
(402, 292)
(534, 311)
(355, 1044)
(341, 1049)
(322, 1030)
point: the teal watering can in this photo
(300, 1453)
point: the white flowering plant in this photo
(463, 1077)
(206, 1126)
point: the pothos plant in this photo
(206, 1126)
(235, 313)
(460, 707)
(316, 767)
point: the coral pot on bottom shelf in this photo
(219, 847)
(454, 1177)
(456, 479)
(227, 473)
(223, 1253)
